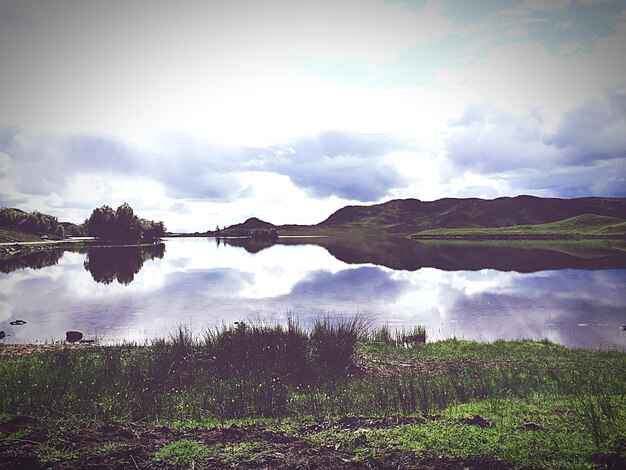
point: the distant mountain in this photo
(250, 224)
(407, 216)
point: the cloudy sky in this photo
(201, 113)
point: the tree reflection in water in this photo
(36, 260)
(122, 263)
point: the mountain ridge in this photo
(406, 216)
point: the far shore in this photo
(495, 236)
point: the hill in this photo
(250, 224)
(581, 226)
(18, 225)
(408, 216)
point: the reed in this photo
(261, 370)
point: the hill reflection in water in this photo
(519, 256)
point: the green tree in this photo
(152, 230)
(101, 223)
(127, 226)
(60, 231)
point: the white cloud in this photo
(546, 5)
(594, 2)
(216, 68)
(564, 25)
(518, 32)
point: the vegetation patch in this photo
(581, 226)
(252, 396)
(182, 453)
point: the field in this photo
(335, 395)
(582, 226)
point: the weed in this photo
(48, 454)
(182, 453)
(108, 448)
(412, 337)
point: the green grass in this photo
(108, 448)
(548, 406)
(187, 453)
(182, 453)
(586, 225)
(541, 431)
(48, 454)
(501, 350)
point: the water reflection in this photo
(107, 264)
(249, 244)
(36, 260)
(200, 283)
(520, 256)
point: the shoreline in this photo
(552, 237)
(17, 249)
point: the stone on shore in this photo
(73, 336)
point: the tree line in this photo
(122, 225)
(31, 222)
(116, 226)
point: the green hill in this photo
(404, 217)
(582, 226)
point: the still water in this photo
(572, 294)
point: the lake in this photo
(571, 293)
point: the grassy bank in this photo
(10, 236)
(583, 226)
(336, 395)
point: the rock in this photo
(2, 335)
(73, 336)
(623, 328)
(17, 322)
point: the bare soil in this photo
(132, 445)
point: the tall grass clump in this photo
(246, 348)
(333, 342)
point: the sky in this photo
(205, 113)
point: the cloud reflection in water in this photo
(201, 284)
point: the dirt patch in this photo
(34, 349)
(109, 445)
(355, 423)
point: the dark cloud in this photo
(599, 178)
(43, 164)
(367, 284)
(340, 164)
(586, 155)
(333, 163)
(487, 141)
(594, 131)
